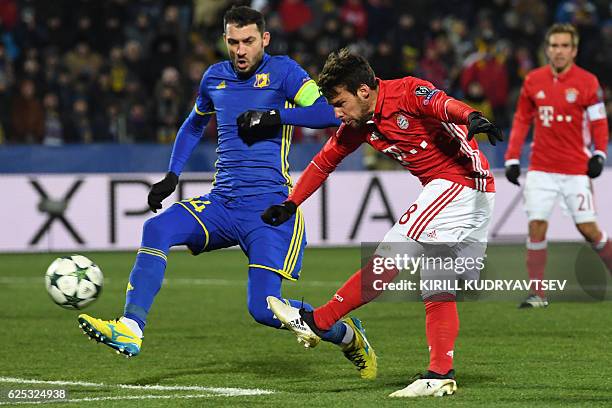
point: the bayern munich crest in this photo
(571, 95)
(402, 121)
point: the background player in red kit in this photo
(425, 130)
(565, 104)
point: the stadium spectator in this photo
(476, 98)
(117, 70)
(82, 60)
(354, 13)
(138, 126)
(54, 128)
(9, 14)
(58, 35)
(141, 33)
(294, 14)
(487, 68)
(432, 69)
(79, 128)
(27, 115)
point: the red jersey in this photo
(415, 124)
(569, 115)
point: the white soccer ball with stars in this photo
(74, 281)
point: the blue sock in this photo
(335, 334)
(145, 281)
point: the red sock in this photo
(441, 328)
(536, 263)
(604, 250)
(356, 291)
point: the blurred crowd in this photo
(83, 71)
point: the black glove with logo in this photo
(596, 165)
(160, 190)
(278, 214)
(480, 124)
(513, 172)
(254, 126)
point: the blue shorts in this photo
(226, 222)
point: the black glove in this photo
(252, 125)
(277, 214)
(480, 124)
(513, 172)
(596, 165)
(161, 190)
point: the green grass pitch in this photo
(200, 334)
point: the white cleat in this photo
(291, 319)
(534, 301)
(426, 387)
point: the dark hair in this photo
(347, 70)
(243, 16)
(563, 28)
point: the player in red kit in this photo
(430, 134)
(565, 104)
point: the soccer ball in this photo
(74, 281)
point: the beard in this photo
(248, 72)
(364, 114)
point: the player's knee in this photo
(589, 231)
(262, 315)
(154, 232)
(537, 230)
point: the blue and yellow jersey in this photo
(263, 167)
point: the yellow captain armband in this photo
(307, 94)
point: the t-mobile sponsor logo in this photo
(546, 115)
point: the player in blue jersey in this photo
(251, 94)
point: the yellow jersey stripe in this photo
(301, 238)
(279, 271)
(159, 251)
(284, 152)
(285, 146)
(144, 251)
(307, 94)
(298, 244)
(294, 237)
(199, 222)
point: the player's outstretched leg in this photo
(348, 334)
(357, 291)
(173, 227)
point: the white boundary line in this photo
(206, 391)
(127, 397)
